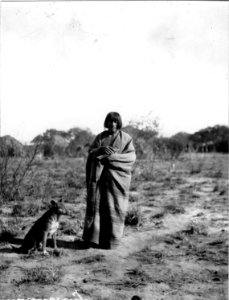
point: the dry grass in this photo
(25, 209)
(91, 259)
(41, 275)
(9, 230)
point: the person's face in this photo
(112, 126)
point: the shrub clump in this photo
(42, 275)
(25, 209)
(174, 209)
(133, 217)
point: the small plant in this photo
(133, 197)
(195, 228)
(134, 184)
(70, 228)
(220, 188)
(58, 253)
(133, 216)
(174, 209)
(148, 256)
(138, 274)
(217, 174)
(9, 230)
(73, 180)
(158, 215)
(4, 266)
(196, 165)
(148, 172)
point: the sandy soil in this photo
(178, 249)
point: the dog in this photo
(46, 225)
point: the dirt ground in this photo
(177, 248)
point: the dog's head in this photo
(59, 207)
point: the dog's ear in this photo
(53, 203)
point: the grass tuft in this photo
(41, 275)
(91, 259)
(174, 209)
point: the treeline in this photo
(210, 139)
(72, 143)
(148, 144)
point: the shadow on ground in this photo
(15, 243)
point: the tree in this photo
(52, 142)
(211, 139)
(80, 140)
(9, 146)
(143, 132)
(184, 139)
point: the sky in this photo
(67, 64)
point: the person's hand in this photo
(106, 150)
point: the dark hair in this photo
(113, 116)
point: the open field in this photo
(175, 244)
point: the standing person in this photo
(108, 176)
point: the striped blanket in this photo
(108, 182)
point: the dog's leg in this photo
(45, 236)
(54, 240)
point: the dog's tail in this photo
(16, 249)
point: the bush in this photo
(13, 172)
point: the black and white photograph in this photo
(114, 150)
